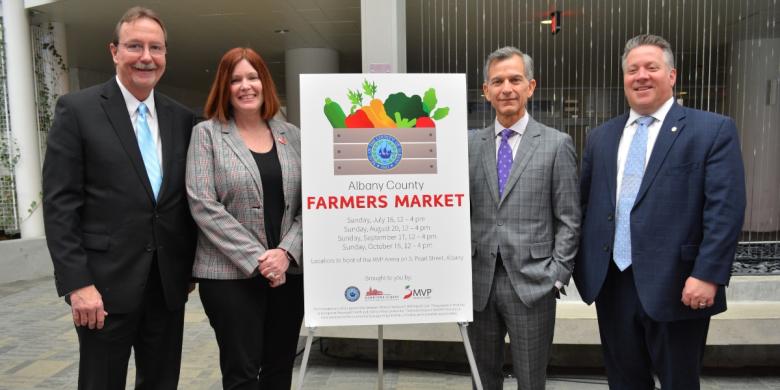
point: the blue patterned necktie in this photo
(632, 178)
(148, 149)
(504, 160)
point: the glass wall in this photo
(727, 57)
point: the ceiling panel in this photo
(200, 31)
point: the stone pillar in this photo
(383, 36)
(298, 62)
(754, 96)
(23, 118)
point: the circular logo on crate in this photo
(384, 151)
(352, 293)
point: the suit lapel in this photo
(611, 144)
(528, 144)
(488, 153)
(116, 110)
(234, 141)
(664, 142)
(165, 126)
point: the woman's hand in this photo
(272, 265)
(280, 280)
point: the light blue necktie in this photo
(632, 179)
(504, 160)
(148, 149)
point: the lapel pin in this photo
(283, 140)
(674, 129)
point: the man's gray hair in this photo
(507, 52)
(134, 14)
(649, 40)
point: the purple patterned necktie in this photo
(504, 160)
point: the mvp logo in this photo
(417, 293)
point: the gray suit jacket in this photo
(535, 224)
(226, 199)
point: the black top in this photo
(273, 194)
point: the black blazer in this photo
(102, 222)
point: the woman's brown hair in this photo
(218, 103)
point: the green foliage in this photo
(429, 100)
(440, 113)
(356, 98)
(404, 123)
(369, 88)
(7, 204)
(407, 107)
(34, 205)
(9, 153)
(47, 97)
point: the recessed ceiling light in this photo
(546, 21)
(282, 31)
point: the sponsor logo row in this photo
(353, 294)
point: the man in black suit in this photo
(117, 223)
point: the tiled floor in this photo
(38, 350)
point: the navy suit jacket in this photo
(686, 219)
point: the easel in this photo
(380, 356)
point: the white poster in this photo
(385, 199)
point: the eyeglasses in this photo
(155, 49)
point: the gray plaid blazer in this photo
(225, 194)
(536, 224)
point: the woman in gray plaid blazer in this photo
(244, 190)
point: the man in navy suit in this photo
(663, 199)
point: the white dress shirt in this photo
(151, 117)
(514, 139)
(628, 136)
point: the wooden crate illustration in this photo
(390, 136)
(390, 151)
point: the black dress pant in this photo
(257, 329)
(152, 331)
(635, 346)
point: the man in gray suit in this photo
(525, 221)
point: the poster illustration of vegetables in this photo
(385, 199)
(396, 135)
